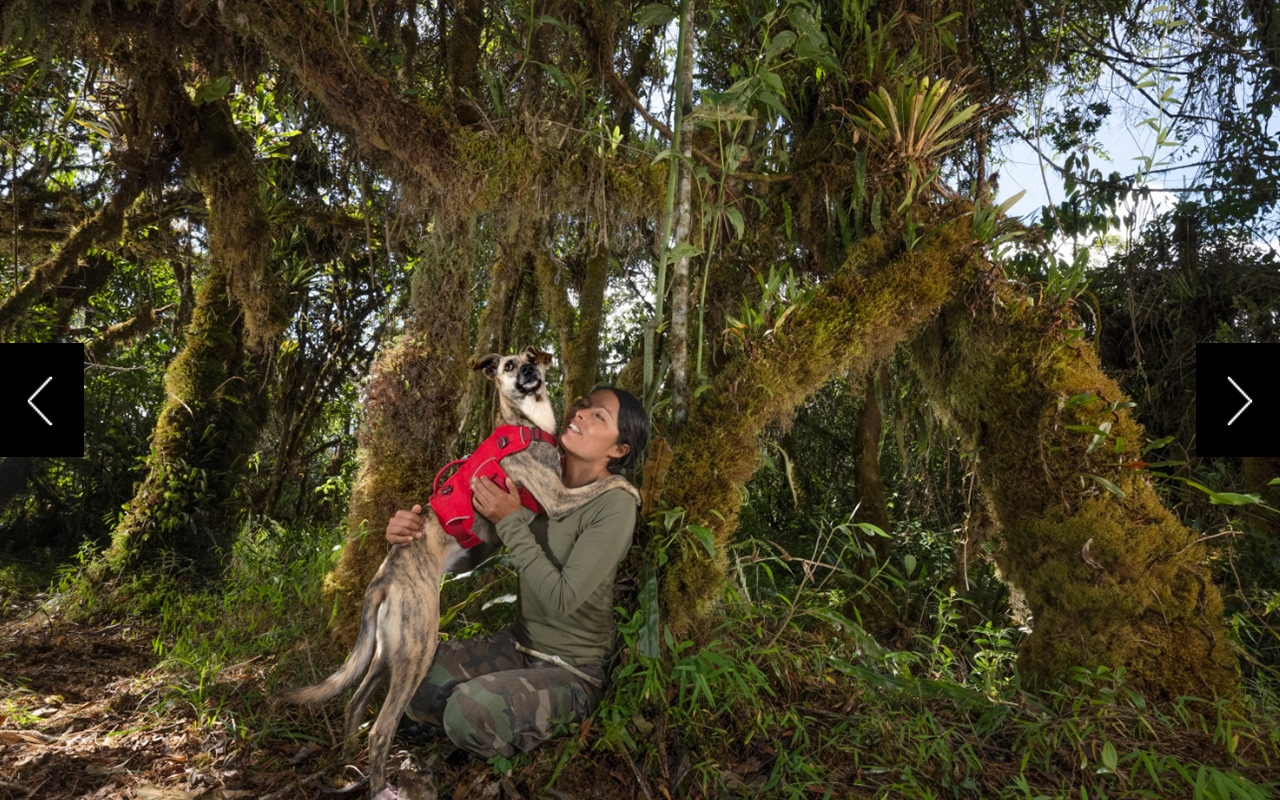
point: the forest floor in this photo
(85, 713)
(166, 698)
(80, 720)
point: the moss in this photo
(1002, 370)
(410, 420)
(186, 508)
(878, 299)
(237, 225)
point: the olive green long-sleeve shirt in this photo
(564, 605)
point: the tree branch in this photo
(107, 223)
(356, 97)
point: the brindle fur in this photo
(400, 619)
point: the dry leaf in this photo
(153, 793)
(655, 474)
(29, 737)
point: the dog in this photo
(400, 619)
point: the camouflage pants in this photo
(492, 699)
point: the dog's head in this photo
(522, 387)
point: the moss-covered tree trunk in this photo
(868, 488)
(410, 420)
(878, 298)
(578, 328)
(1111, 576)
(498, 319)
(879, 611)
(186, 508)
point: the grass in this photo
(787, 698)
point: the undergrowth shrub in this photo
(789, 697)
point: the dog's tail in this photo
(356, 664)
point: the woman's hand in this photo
(493, 503)
(405, 526)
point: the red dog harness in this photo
(452, 502)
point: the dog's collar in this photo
(521, 433)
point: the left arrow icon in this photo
(31, 400)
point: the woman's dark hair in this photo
(633, 428)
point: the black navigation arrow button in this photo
(1237, 402)
(42, 400)
(31, 401)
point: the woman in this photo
(491, 694)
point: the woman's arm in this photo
(599, 548)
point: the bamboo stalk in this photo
(664, 246)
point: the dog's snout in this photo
(528, 378)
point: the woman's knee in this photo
(428, 701)
(478, 720)
(504, 712)
(457, 661)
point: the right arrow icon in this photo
(1248, 400)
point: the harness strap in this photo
(435, 485)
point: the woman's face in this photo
(590, 429)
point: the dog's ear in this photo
(537, 355)
(487, 363)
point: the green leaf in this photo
(1108, 485)
(1109, 758)
(772, 80)
(779, 45)
(874, 530)
(647, 640)
(1233, 499)
(706, 537)
(1086, 429)
(1004, 207)
(771, 100)
(802, 21)
(908, 564)
(668, 153)
(655, 14)
(18, 64)
(683, 250)
(558, 76)
(1157, 444)
(840, 622)
(948, 38)
(670, 517)
(735, 217)
(214, 90)
(1104, 430)
(547, 19)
